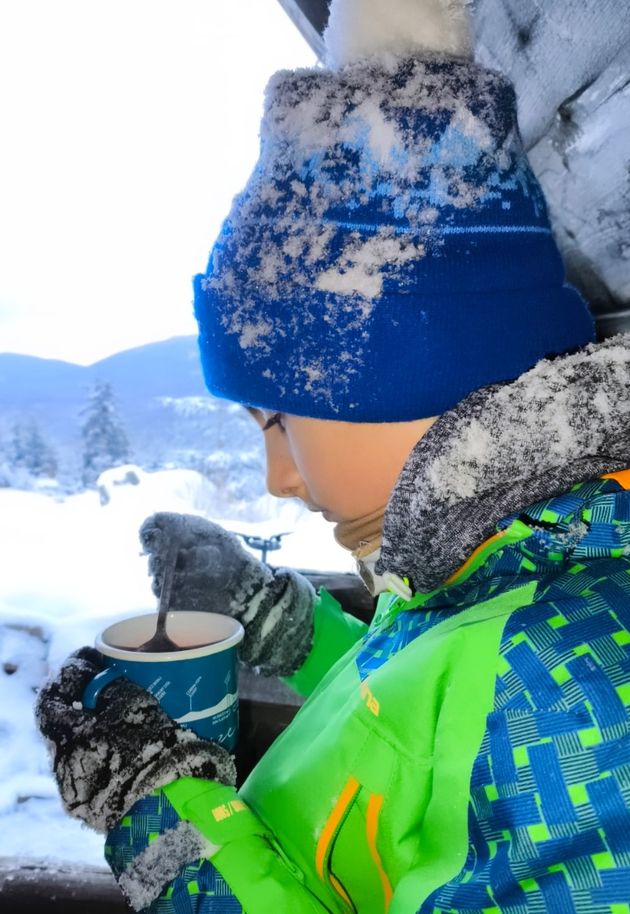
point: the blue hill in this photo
(169, 417)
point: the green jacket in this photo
(470, 751)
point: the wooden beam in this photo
(612, 323)
(310, 17)
(44, 887)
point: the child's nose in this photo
(283, 481)
(283, 478)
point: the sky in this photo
(127, 127)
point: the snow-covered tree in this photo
(105, 442)
(28, 450)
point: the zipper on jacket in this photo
(330, 832)
(328, 835)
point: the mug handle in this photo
(96, 686)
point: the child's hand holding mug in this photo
(106, 759)
(215, 573)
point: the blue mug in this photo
(196, 686)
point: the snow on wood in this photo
(570, 63)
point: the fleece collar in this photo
(504, 447)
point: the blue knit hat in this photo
(391, 251)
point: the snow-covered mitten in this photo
(215, 573)
(105, 760)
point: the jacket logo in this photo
(226, 810)
(369, 699)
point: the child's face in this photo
(346, 470)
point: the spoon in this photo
(160, 642)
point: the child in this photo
(387, 299)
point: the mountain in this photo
(170, 368)
(26, 379)
(169, 417)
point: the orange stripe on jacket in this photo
(347, 795)
(622, 477)
(373, 812)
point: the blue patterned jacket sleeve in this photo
(197, 889)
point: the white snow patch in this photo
(383, 136)
(351, 278)
(362, 265)
(190, 406)
(253, 335)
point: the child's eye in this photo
(276, 419)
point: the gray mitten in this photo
(105, 760)
(215, 573)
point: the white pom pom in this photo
(363, 28)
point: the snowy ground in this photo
(69, 567)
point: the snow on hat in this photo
(391, 251)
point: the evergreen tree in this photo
(28, 450)
(105, 442)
